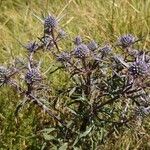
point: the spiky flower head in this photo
(50, 22)
(81, 51)
(126, 40)
(78, 40)
(64, 57)
(3, 74)
(105, 50)
(32, 76)
(138, 68)
(92, 45)
(32, 46)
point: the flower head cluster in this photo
(138, 68)
(92, 45)
(50, 22)
(81, 51)
(32, 76)
(126, 40)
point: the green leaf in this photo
(48, 137)
(76, 148)
(102, 134)
(43, 146)
(48, 130)
(72, 111)
(84, 134)
(72, 91)
(64, 146)
(76, 141)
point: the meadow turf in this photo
(101, 20)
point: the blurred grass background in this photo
(102, 20)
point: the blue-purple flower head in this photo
(81, 51)
(126, 40)
(32, 76)
(64, 57)
(32, 46)
(78, 40)
(50, 22)
(139, 68)
(92, 45)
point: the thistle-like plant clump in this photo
(105, 90)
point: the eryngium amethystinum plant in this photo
(106, 90)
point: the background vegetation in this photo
(102, 20)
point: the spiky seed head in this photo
(92, 45)
(78, 40)
(81, 51)
(138, 68)
(32, 76)
(64, 57)
(32, 46)
(126, 40)
(3, 74)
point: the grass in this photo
(101, 20)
